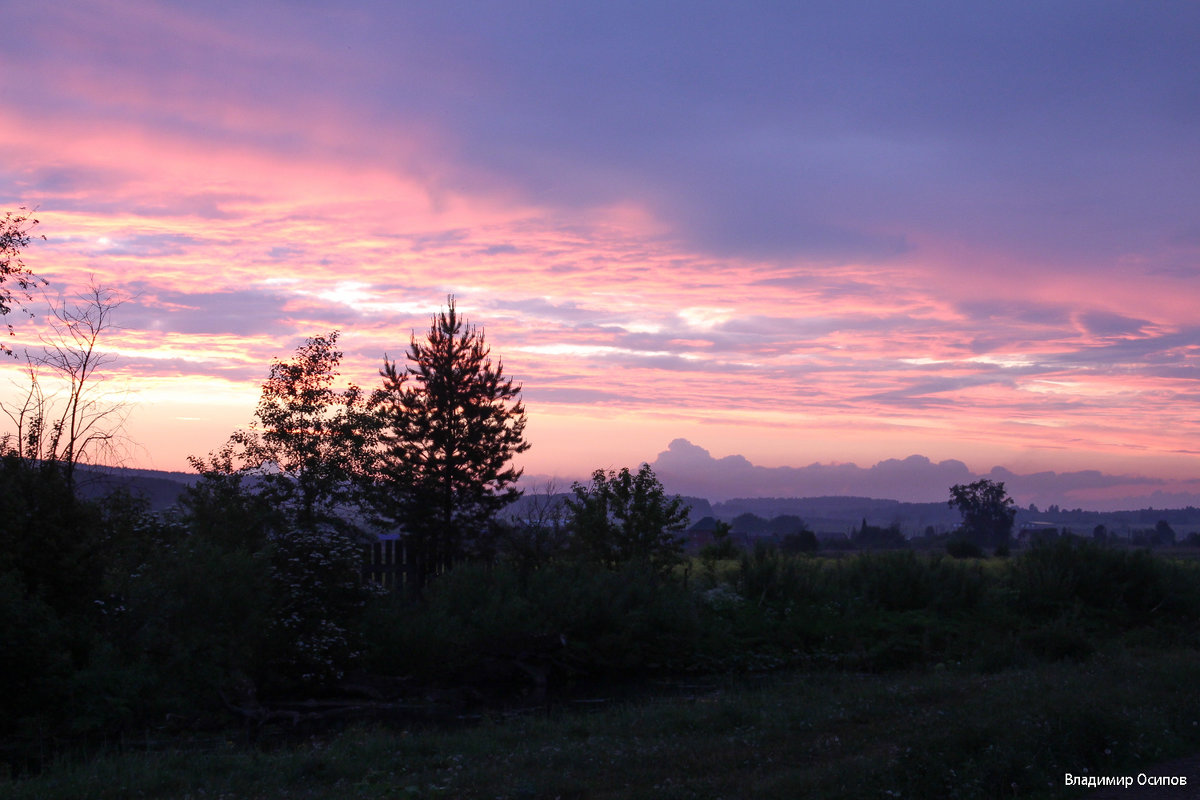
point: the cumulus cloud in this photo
(691, 470)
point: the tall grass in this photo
(926, 733)
(873, 611)
(990, 629)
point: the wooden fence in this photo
(386, 563)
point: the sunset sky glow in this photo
(810, 232)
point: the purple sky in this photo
(802, 233)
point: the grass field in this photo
(938, 732)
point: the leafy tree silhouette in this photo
(309, 442)
(623, 517)
(987, 512)
(290, 484)
(16, 234)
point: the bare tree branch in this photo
(76, 420)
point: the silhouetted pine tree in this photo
(451, 424)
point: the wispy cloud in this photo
(820, 231)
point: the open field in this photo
(934, 732)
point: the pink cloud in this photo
(250, 201)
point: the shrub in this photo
(804, 541)
(1063, 639)
(318, 591)
(905, 581)
(963, 548)
(200, 613)
(622, 517)
(1129, 587)
(37, 659)
(615, 621)
(768, 578)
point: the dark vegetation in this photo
(1005, 671)
(128, 627)
(244, 612)
(16, 280)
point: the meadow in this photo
(894, 674)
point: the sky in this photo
(817, 233)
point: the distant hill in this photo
(161, 489)
(532, 501)
(836, 514)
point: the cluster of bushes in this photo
(873, 611)
(116, 617)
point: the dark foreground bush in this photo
(1127, 588)
(615, 622)
(37, 660)
(963, 548)
(183, 619)
(904, 581)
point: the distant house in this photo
(700, 534)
